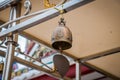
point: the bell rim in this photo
(56, 43)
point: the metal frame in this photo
(78, 70)
(84, 59)
(78, 63)
(32, 65)
(100, 70)
(14, 12)
(98, 55)
(44, 17)
(8, 3)
(101, 54)
(27, 24)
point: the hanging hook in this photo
(61, 11)
(28, 6)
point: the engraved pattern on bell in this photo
(59, 34)
(62, 37)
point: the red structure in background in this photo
(70, 73)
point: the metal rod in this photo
(32, 14)
(70, 5)
(7, 3)
(38, 61)
(9, 58)
(100, 71)
(101, 54)
(8, 63)
(78, 71)
(30, 64)
(31, 58)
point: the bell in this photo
(62, 37)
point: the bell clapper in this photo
(60, 49)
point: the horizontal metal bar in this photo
(98, 55)
(32, 14)
(37, 61)
(30, 64)
(70, 5)
(34, 66)
(30, 58)
(93, 67)
(6, 3)
(101, 54)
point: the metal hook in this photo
(61, 11)
(28, 6)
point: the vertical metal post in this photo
(78, 71)
(10, 45)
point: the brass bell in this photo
(62, 37)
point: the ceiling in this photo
(95, 28)
(108, 63)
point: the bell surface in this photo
(62, 37)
